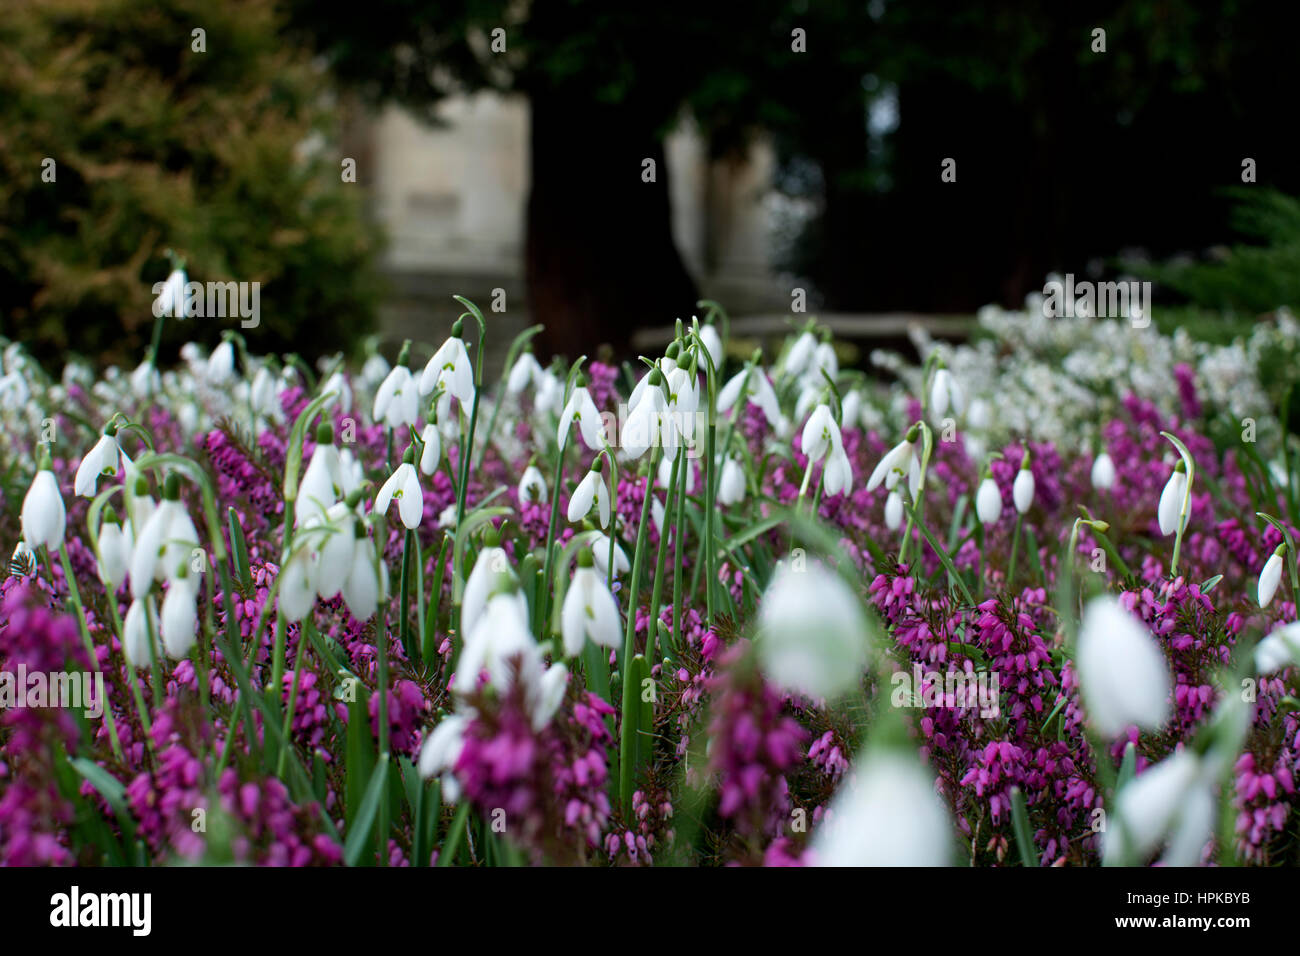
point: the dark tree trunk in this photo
(600, 258)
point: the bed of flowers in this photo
(1027, 602)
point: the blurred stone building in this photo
(452, 200)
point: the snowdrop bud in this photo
(532, 486)
(179, 618)
(432, 453)
(988, 502)
(1022, 492)
(894, 511)
(221, 364)
(1103, 472)
(731, 483)
(812, 633)
(44, 518)
(1271, 576)
(1170, 508)
(885, 814)
(1280, 649)
(589, 610)
(713, 344)
(1122, 672)
(135, 634)
(114, 554)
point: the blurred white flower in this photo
(1122, 672)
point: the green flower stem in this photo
(652, 629)
(142, 712)
(628, 728)
(74, 594)
(1015, 546)
(293, 695)
(679, 548)
(542, 612)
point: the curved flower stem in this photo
(679, 548)
(74, 595)
(628, 728)
(652, 629)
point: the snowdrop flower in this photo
(145, 380)
(800, 354)
(164, 544)
(591, 488)
(665, 475)
(678, 424)
(645, 423)
(335, 545)
(1280, 649)
(180, 620)
(600, 554)
(492, 561)
(135, 633)
(262, 395)
(945, 393)
(171, 300)
(1170, 509)
(1122, 672)
(657, 513)
(886, 814)
(900, 460)
(221, 364)
(988, 501)
(1172, 801)
(1103, 472)
(812, 632)
(44, 518)
(338, 384)
(589, 610)
(851, 409)
(532, 486)
(441, 750)
(550, 393)
(322, 480)
(104, 458)
(499, 637)
(1022, 491)
(712, 344)
(731, 483)
(397, 400)
(582, 409)
(404, 485)
(297, 588)
(756, 386)
(523, 373)
(114, 555)
(1271, 576)
(450, 366)
(820, 436)
(823, 360)
(364, 586)
(894, 511)
(431, 455)
(374, 370)
(546, 693)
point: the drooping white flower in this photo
(712, 344)
(1271, 576)
(171, 300)
(819, 433)
(851, 409)
(894, 511)
(135, 633)
(1103, 472)
(900, 460)
(404, 485)
(1172, 802)
(550, 393)
(756, 386)
(1281, 648)
(812, 632)
(800, 354)
(164, 545)
(431, 454)
(499, 638)
(988, 501)
(545, 694)
(532, 486)
(114, 555)
(589, 610)
(600, 554)
(337, 383)
(104, 458)
(44, 517)
(885, 814)
(322, 480)
(946, 392)
(335, 546)
(145, 380)
(180, 620)
(582, 409)
(364, 585)
(1022, 491)
(731, 483)
(450, 365)
(1122, 672)
(1171, 501)
(492, 561)
(397, 400)
(221, 364)
(297, 589)
(524, 373)
(440, 751)
(591, 489)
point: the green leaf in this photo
(364, 821)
